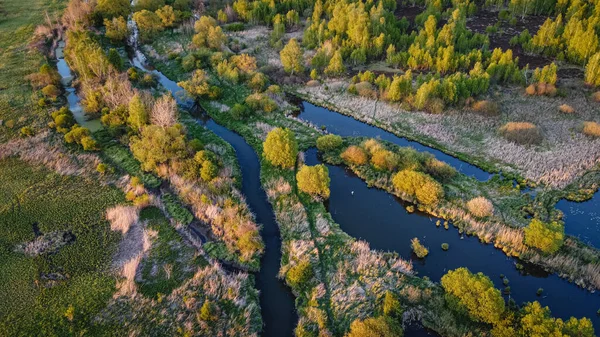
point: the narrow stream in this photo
(381, 219)
(72, 98)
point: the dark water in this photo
(582, 219)
(276, 300)
(72, 98)
(343, 125)
(381, 219)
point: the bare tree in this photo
(164, 111)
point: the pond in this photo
(582, 219)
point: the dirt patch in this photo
(408, 12)
(481, 20)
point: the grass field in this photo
(37, 290)
(18, 20)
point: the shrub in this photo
(439, 169)
(365, 89)
(445, 246)
(329, 142)
(419, 250)
(385, 160)
(476, 293)
(149, 24)
(81, 136)
(381, 326)
(292, 57)
(102, 168)
(523, 133)
(567, 109)
(425, 189)
(591, 129)
(391, 305)
(530, 90)
(176, 210)
(596, 96)
(116, 29)
(355, 155)
(156, 145)
(486, 108)
(26, 131)
(51, 91)
(280, 148)
(240, 111)
(314, 180)
(547, 237)
(480, 207)
(299, 275)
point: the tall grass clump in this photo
(480, 207)
(523, 133)
(591, 129)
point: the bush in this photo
(480, 207)
(329, 142)
(280, 148)
(176, 210)
(547, 237)
(385, 160)
(530, 90)
(445, 246)
(51, 91)
(157, 145)
(102, 168)
(26, 131)
(523, 133)
(596, 96)
(355, 155)
(299, 275)
(419, 250)
(591, 129)
(565, 108)
(486, 108)
(439, 169)
(81, 136)
(381, 326)
(240, 111)
(391, 305)
(365, 89)
(476, 293)
(314, 180)
(425, 189)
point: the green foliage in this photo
(292, 57)
(281, 148)
(400, 87)
(425, 189)
(116, 29)
(537, 321)
(476, 293)
(109, 9)
(299, 275)
(391, 305)
(208, 312)
(336, 65)
(63, 120)
(176, 209)
(418, 248)
(208, 34)
(149, 24)
(81, 136)
(592, 71)
(26, 131)
(381, 326)
(157, 145)
(115, 59)
(138, 113)
(329, 142)
(199, 85)
(545, 75)
(314, 180)
(547, 237)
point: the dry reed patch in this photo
(480, 207)
(566, 109)
(591, 129)
(596, 96)
(121, 218)
(523, 133)
(486, 108)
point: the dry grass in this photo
(121, 218)
(164, 111)
(523, 133)
(486, 108)
(480, 207)
(566, 109)
(591, 129)
(596, 96)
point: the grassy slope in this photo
(18, 19)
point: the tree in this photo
(425, 189)
(198, 85)
(300, 274)
(592, 71)
(138, 113)
(280, 148)
(418, 248)
(167, 16)
(109, 9)
(314, 180)
(82, 136)
(157, 145)
(381, 326)
(164, 112)
(391, 305)
(208, 311)
(150, 5)
(547, 237)
(400, 87)
(149, 24)
(115, 59)
(355, 155)
(116, 29)
(292, 57)
(336, 65)
(475, 293)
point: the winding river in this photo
(380, 219)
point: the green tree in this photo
(157, 145)
(547, 237)
(391, 305)
(167, 16)
(82, 136)
(401, 87)
(336, 65)
(116, 29)
(424, 188)
(300, 274)
(280, 148)
(314, 180)
(109, 9)
(381, 326)
(198, 85)
(592, 71)
(292, 57)
(138, 113)
(476, 293)
(149, 24)
(115, 59)
(329, 142)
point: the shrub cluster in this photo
(523, 133)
